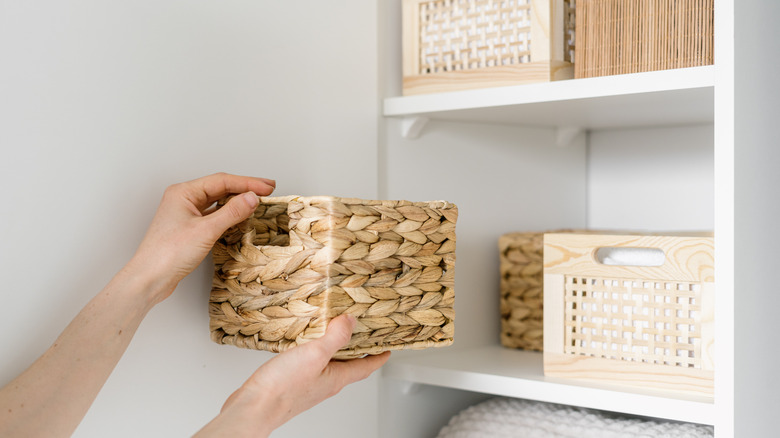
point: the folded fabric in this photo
(631, 256)
(513, 418)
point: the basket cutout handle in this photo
(630, 256)
(272, 227)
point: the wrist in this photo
(152, 284)
(227, 424)
(243, 415)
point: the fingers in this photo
(220, 184)
(341, 374)
(358, 369)
(202, 192)
(337, 335)
(236, 210)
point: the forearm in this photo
(52, 396)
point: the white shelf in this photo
(516, 373)
(668, 97)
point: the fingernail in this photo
(352, 320)
(251, 199)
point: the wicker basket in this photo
(453, 45)
(281, 275)
(522, 312)
(521, 290)
(619, 36)
(630, 322)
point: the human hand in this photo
(186, 226)
(291, 383)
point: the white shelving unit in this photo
(728, 110)
(666, 98)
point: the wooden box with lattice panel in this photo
(632, 320)
(284, 273)
(453, 45)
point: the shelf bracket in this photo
(411, 127)
(410, 388)
(565, 135)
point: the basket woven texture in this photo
(619, 36)
(281, 275)
(521, 264)
(522, 288)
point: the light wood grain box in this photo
(283, 274)
(619, 36)
(451, 45)
(636, 323)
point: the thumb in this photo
(337, 335)
(236, 210)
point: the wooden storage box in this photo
(630, 322)
(281, 275)
(619, 36)
(453, 45)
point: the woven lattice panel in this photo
(462, 44)
(632, 310)
(633, 320)
(298, 262)
(461, 35)
(569, 29)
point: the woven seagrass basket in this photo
(521, 257)
(521, 267)
(283, 274)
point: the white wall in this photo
(502, 180)
(501, 177)
(651, 179)
(103, 103)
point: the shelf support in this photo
(411, 127)
(410, 388)
(565, 135)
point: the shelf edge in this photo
(568, 90)
(544, 390)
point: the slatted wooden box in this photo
(635, 323)
(451, 45)
(281, 275)
(619, 36)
